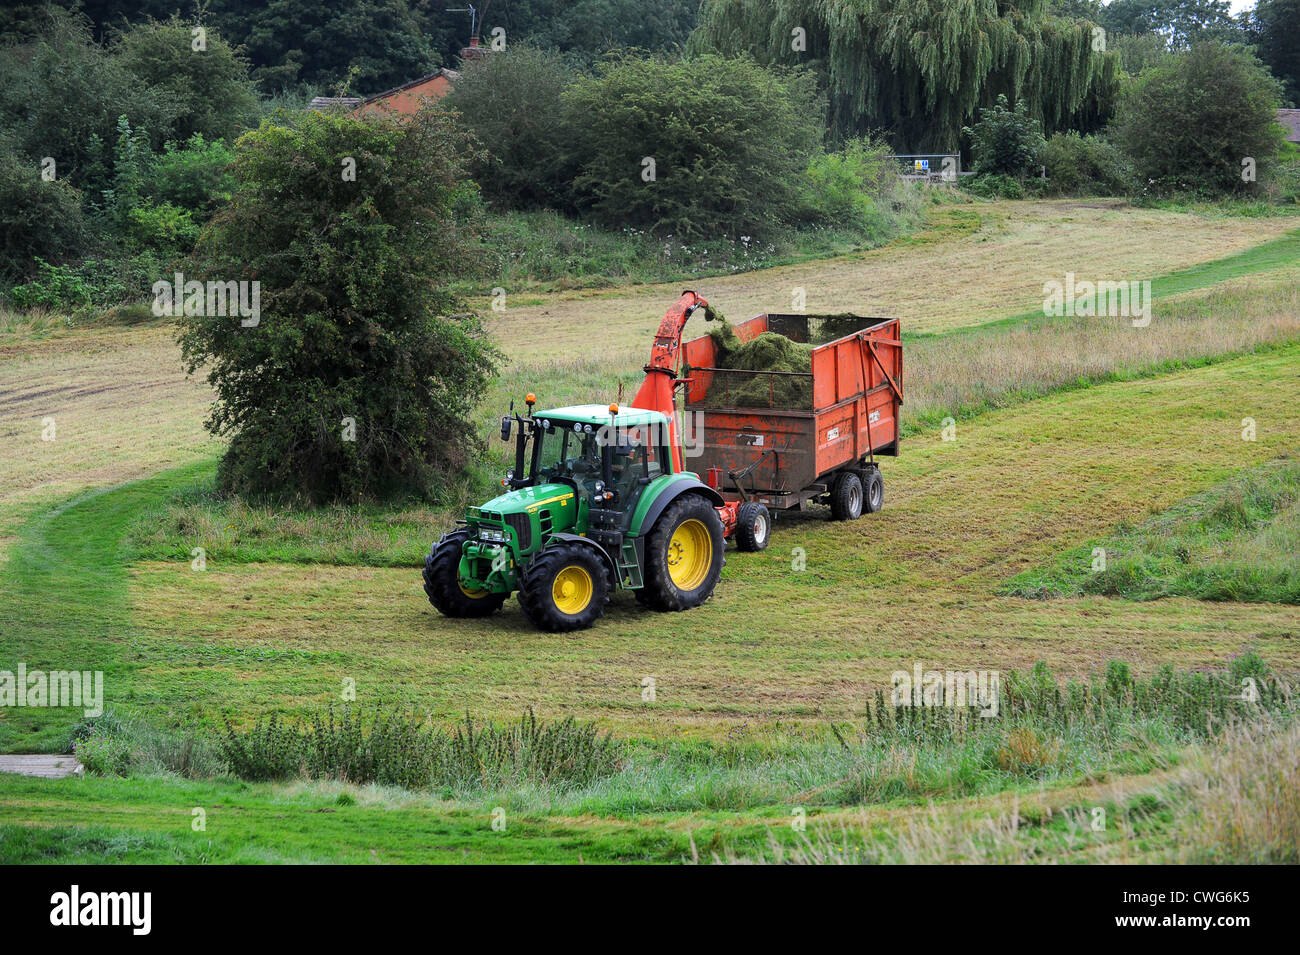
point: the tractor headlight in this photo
(600, 487)
(492, 535)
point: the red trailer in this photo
(777, 453)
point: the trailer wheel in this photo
(442, 583)
(684, 555)
(846, 497)
(564, 588)
(875, 497)
(753, 526)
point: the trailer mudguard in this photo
(671, 488)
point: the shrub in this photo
(210, 87)
(62, 97)
(851, 187)
(271, 749)
(994, 186)
(1188, 124)
(54, 287)
(110, 745)
(162, 228)
(1085, 166)
(357, 321)
(1005, 141)
(39, 219)
(103, 755)
(729, 142)
(194, 176)
(512, 103)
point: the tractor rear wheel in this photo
(846, 497)
(753, 526)
(684, 555)
(564, 588)
(442, 582)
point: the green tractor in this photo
(597, 500)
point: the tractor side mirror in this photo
(505, 427)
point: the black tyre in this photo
(874, 498)
(753, 526)
(442, 583)
(564, 588)
(846, 497)
(684, 555)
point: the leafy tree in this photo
(1005, 141)
(582, 29)
(1275, 30)
(920, 69)
(209, 86)
(357, 321)
(696, 147)
(1140, 51)
(512, 102)
(39, 218)
(61, 97)
(376, 44)
(1188, 125)
(1180, 22)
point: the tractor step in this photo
(629, 569)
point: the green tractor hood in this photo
(510, 528)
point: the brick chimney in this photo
(474, 51)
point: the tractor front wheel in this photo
(684, 555)
(565, 588)
(442, 582)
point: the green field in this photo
(1067, 434)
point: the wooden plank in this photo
(42, 765)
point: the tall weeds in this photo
(359, 745)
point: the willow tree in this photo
(920, 69)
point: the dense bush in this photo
(209, 87)
(39, 219)
(512, 103)
(994, 185)
(1085, 166)
(356, 318)
(851, 187)
(194, 176)
(1005, 141)
(1188, 124)
(62, 97)
(162, 228)
(729, 142)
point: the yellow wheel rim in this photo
(572, 589)
(690, 555)
(472, 594)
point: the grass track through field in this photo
(1269, 256)
(66, 603)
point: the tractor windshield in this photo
(564, 452)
